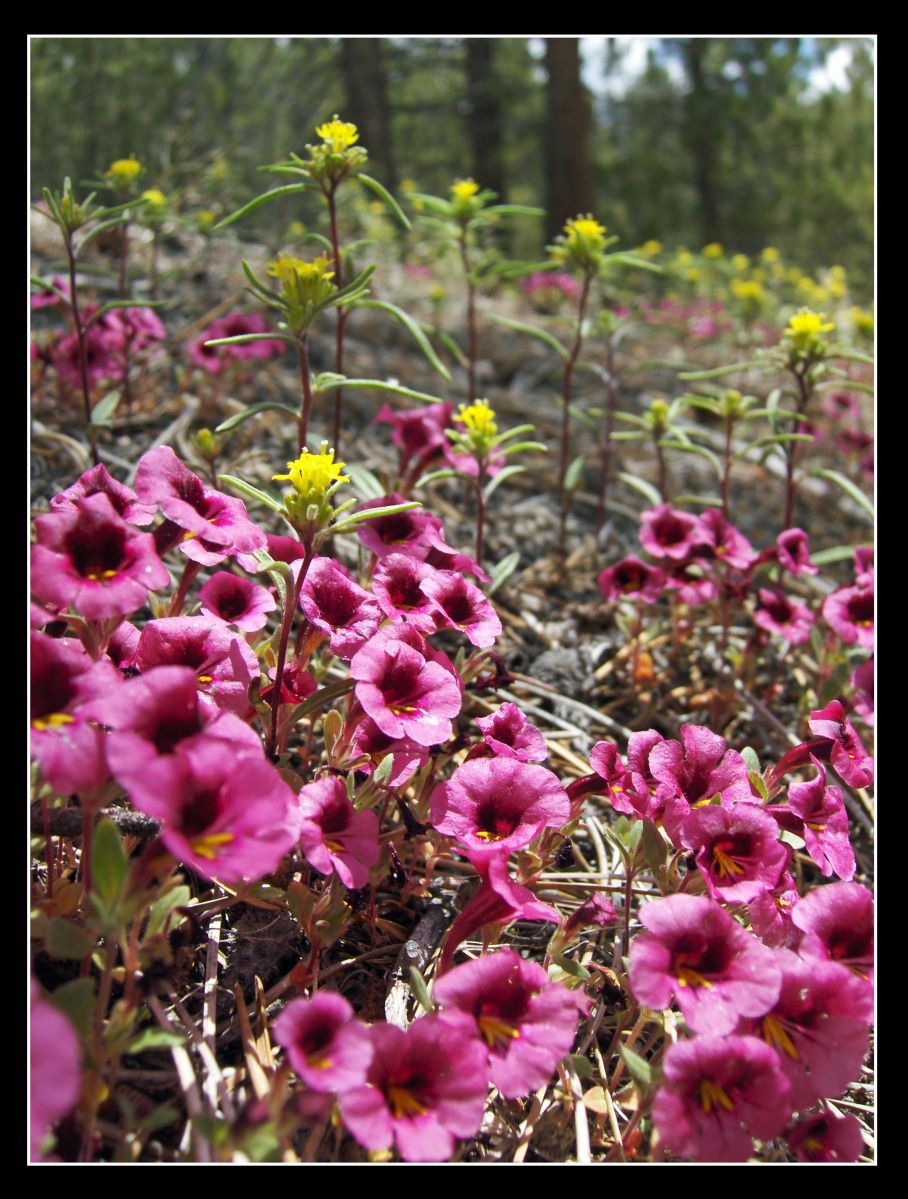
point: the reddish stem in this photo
(83, 354)
(565, 408)
(290, 603)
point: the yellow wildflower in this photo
(651, 248)
(304, 284)
(479, 418)
(338, 135)
(206, 218)
(584, 242)
(585, 227)
(296, 228)
(805, 331)
(408, 185)
(740, 262)
(124, 171)
(684, 258)
(862, 320)
(793, 275)
(464, 189)
(770, 254)
(154, 199)
(313, 474)
(713, 250)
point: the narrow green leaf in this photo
(413, 328)
(505, 473)
(574, 473)
(163, 908)
(452, 347)
(570, 967)
(836, 553)
(287, 189)
(647, 490)
(687, 447)
(707, 403)
(638, 1067)
(718, 371)
(446, 472)
(542, 335)
(585, 418)
(46, 285)
(522, 446)
(850, 489)
(242, 339)
(109, 862)
(432, 203)
(779, 439)
(628, 436)
(387, 199)
(104, 409)
(627, 258)
(154, 1038)
(320, 238)
(757, 781)
(264, 293)
(240, 418)
(104, 225)
(250, 492)
(849, 355)
(514, 210)
(336, 381)
(503, 571)
(357, 518)
(418, 985)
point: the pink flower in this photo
(101, 350)
(509, 734)
(527, 1022)
(236, 601)
(770, 914)
(499, 899)
(793, 553)
(125, 502)
(693, 587)
(406, 756)
(668, 533)
(717, 1094)
(849, 612)
(54, 1073)
(223, 663)
(69, 750)
(284, 549)
(631, 578)
(817, 813)
(713, 968)
(227, 812)
(862, 681)
(837, 925)
(845, 749)
(215, 518)
(461, 605)
(338, 607)
(337, 839)
(778, 614)
(418, 433)
(153, 715)
(425, 1087)
(597, 912)
(401, 532)
(738, 851)
(90, 559)
(327, 1047)
(46, 297)
(499, 801)
(215, 359)
(827, 1137)
(818, 1026)
(406, 695)
(725, 542)
(695, 772)
(396, 585)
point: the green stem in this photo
(471, 319)
(83, 354)
(790, 488)
(302, 347)
(566, 406)
(608, 428)
(480, 513)
(290, 603)
(341, 317)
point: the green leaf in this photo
(687, 447)
(521, 446)
(233, 422)
(655, 848)
(330, 382)
(513, 210)
(707, 403)
(413, 329)
(364, 481)
(718, 371)
(104, 409)
(163, 908)
(159, 1118)
(849, 355)
(382, 771)
(387, 199)
(154, 1038)
(46, 285)
(432, 203)
(574, 473)
(570, 967)
(418, 985)
(104, 225)
(751, 760)
(357, 518)
(503, 571)
(242, 338)
(779, 439)
(76, 1000)
(647, 490)
(850, 489)
(583, 1067)
(264, 293)
(836, 553)
(757, 781)
(505, 473)
(250, 492)
(638, 1067)
(585, 418)
(68, 941)
(287, 189)
(627, 258)
(109, 862)
(542, 335)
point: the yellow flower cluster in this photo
(479, 418)
(155, 200)
(338, 135)
(464, 189)
(651, 248)
(807, 324)
(124, 170)
(713, 250)
(313, 474)
(303, 283)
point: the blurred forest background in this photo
(744, 141)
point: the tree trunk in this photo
(485, 114)
(701, 135)
(569, 166)
(367, 95)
